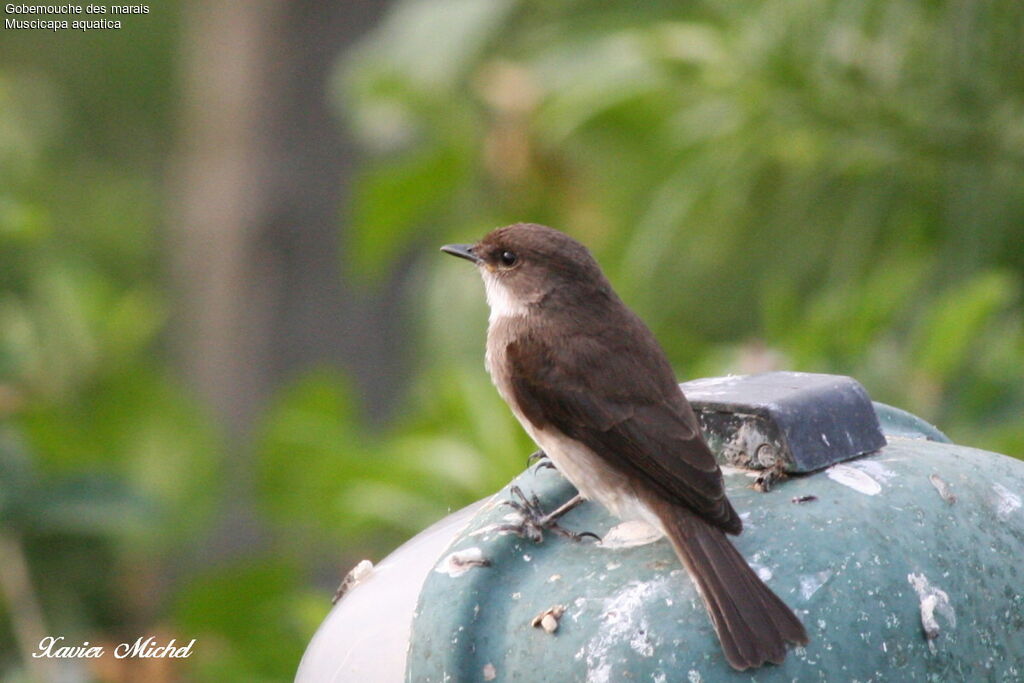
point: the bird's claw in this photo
(535, 520)
(540, 461)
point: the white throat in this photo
(502, 302)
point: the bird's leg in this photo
(542, 461)
(552, 516)
(535, 520)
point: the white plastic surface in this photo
(366, 635)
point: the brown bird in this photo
(590, 384)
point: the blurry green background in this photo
(233, 363)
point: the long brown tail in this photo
(752, 623)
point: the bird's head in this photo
(526, 265)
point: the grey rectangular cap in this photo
(793, 421)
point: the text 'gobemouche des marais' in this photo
(58, 17)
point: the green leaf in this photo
(432, 43)
(244, 614)
(89, 505)
(394, 200)
(952, 331)
(309, 451)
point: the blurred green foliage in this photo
(816, 186)
(826, 186)
(107, 465)
(803, 184)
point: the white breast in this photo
(500, 300)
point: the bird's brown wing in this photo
(623, 403)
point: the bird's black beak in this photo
(462, 251)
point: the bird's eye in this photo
(508, 258)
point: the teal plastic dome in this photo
(903, 565)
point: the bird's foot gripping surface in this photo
(535, 520)
(540, 461)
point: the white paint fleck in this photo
(732, 469)
(629, 535)
(764, 573)
(599, 674)
(945, 492)
(641, 644)
(554, 577)
(517, 595)
(874, 469)
(361, 570)
(693, 676)
(933, 600)
(825, 439)
(854, 478)
(458, 563)
(810, 583)
(580, 605)
(1007, 502)
(623, 620)
(490, 673)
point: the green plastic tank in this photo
(899, 550)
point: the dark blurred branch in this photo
(260, 185)
(255, 241)
(221, 203)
